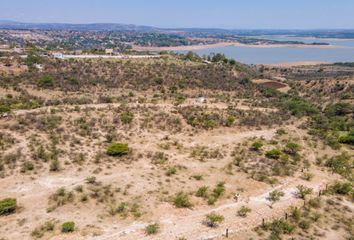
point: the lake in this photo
(251, 55)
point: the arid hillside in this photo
(175, 148)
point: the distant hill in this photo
(6, 24)
(320, 33)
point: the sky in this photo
(231, 14)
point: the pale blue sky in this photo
(276, 14)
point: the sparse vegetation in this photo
(68, 227)
(8, 206)
(118, 149)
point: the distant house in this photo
(38, 66)
(58, 55)
(78, 52)
(109, 51)
(4, 46)
(201, 99)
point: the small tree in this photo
(302, 191)
(212, 220)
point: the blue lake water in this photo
(281, 55)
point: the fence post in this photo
(227, 233)
(263, 222)
(286, 216)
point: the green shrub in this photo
(202, 192)
(117, 149)
(274, 153)
(302, 191)
(181, 200)
(126, 117)
(213, 219)
(219, 190)
(40, 231)
(171, 171)
(348, 138)
(54, 165)
(341, 164)
(68, 227)
(292, 148)
(305, 224)
(344, 188)
(275, 196)
(152, 229)
(279, 227)
(256, 146)
(244, 211)
(46, 82)
(296, 214)
(8, 206)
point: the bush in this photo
(46, 82)
(275, 196)
(68, 227)
(291, 148)
(256, 146)
(213, 219)
(152, 229)
(279, 227)
(343, 188)
(219, 190)
(171, 171)
(8, 206)
(244, 211)
(348, 138)
(341, 164)
(202, 192)
(181, 200)
(126, 117)
(274, 153)
(302, 191)
(117, 149)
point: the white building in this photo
(58, 55)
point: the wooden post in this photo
(227, 233)
(286, 216)
(263, 222)
(320, 193)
